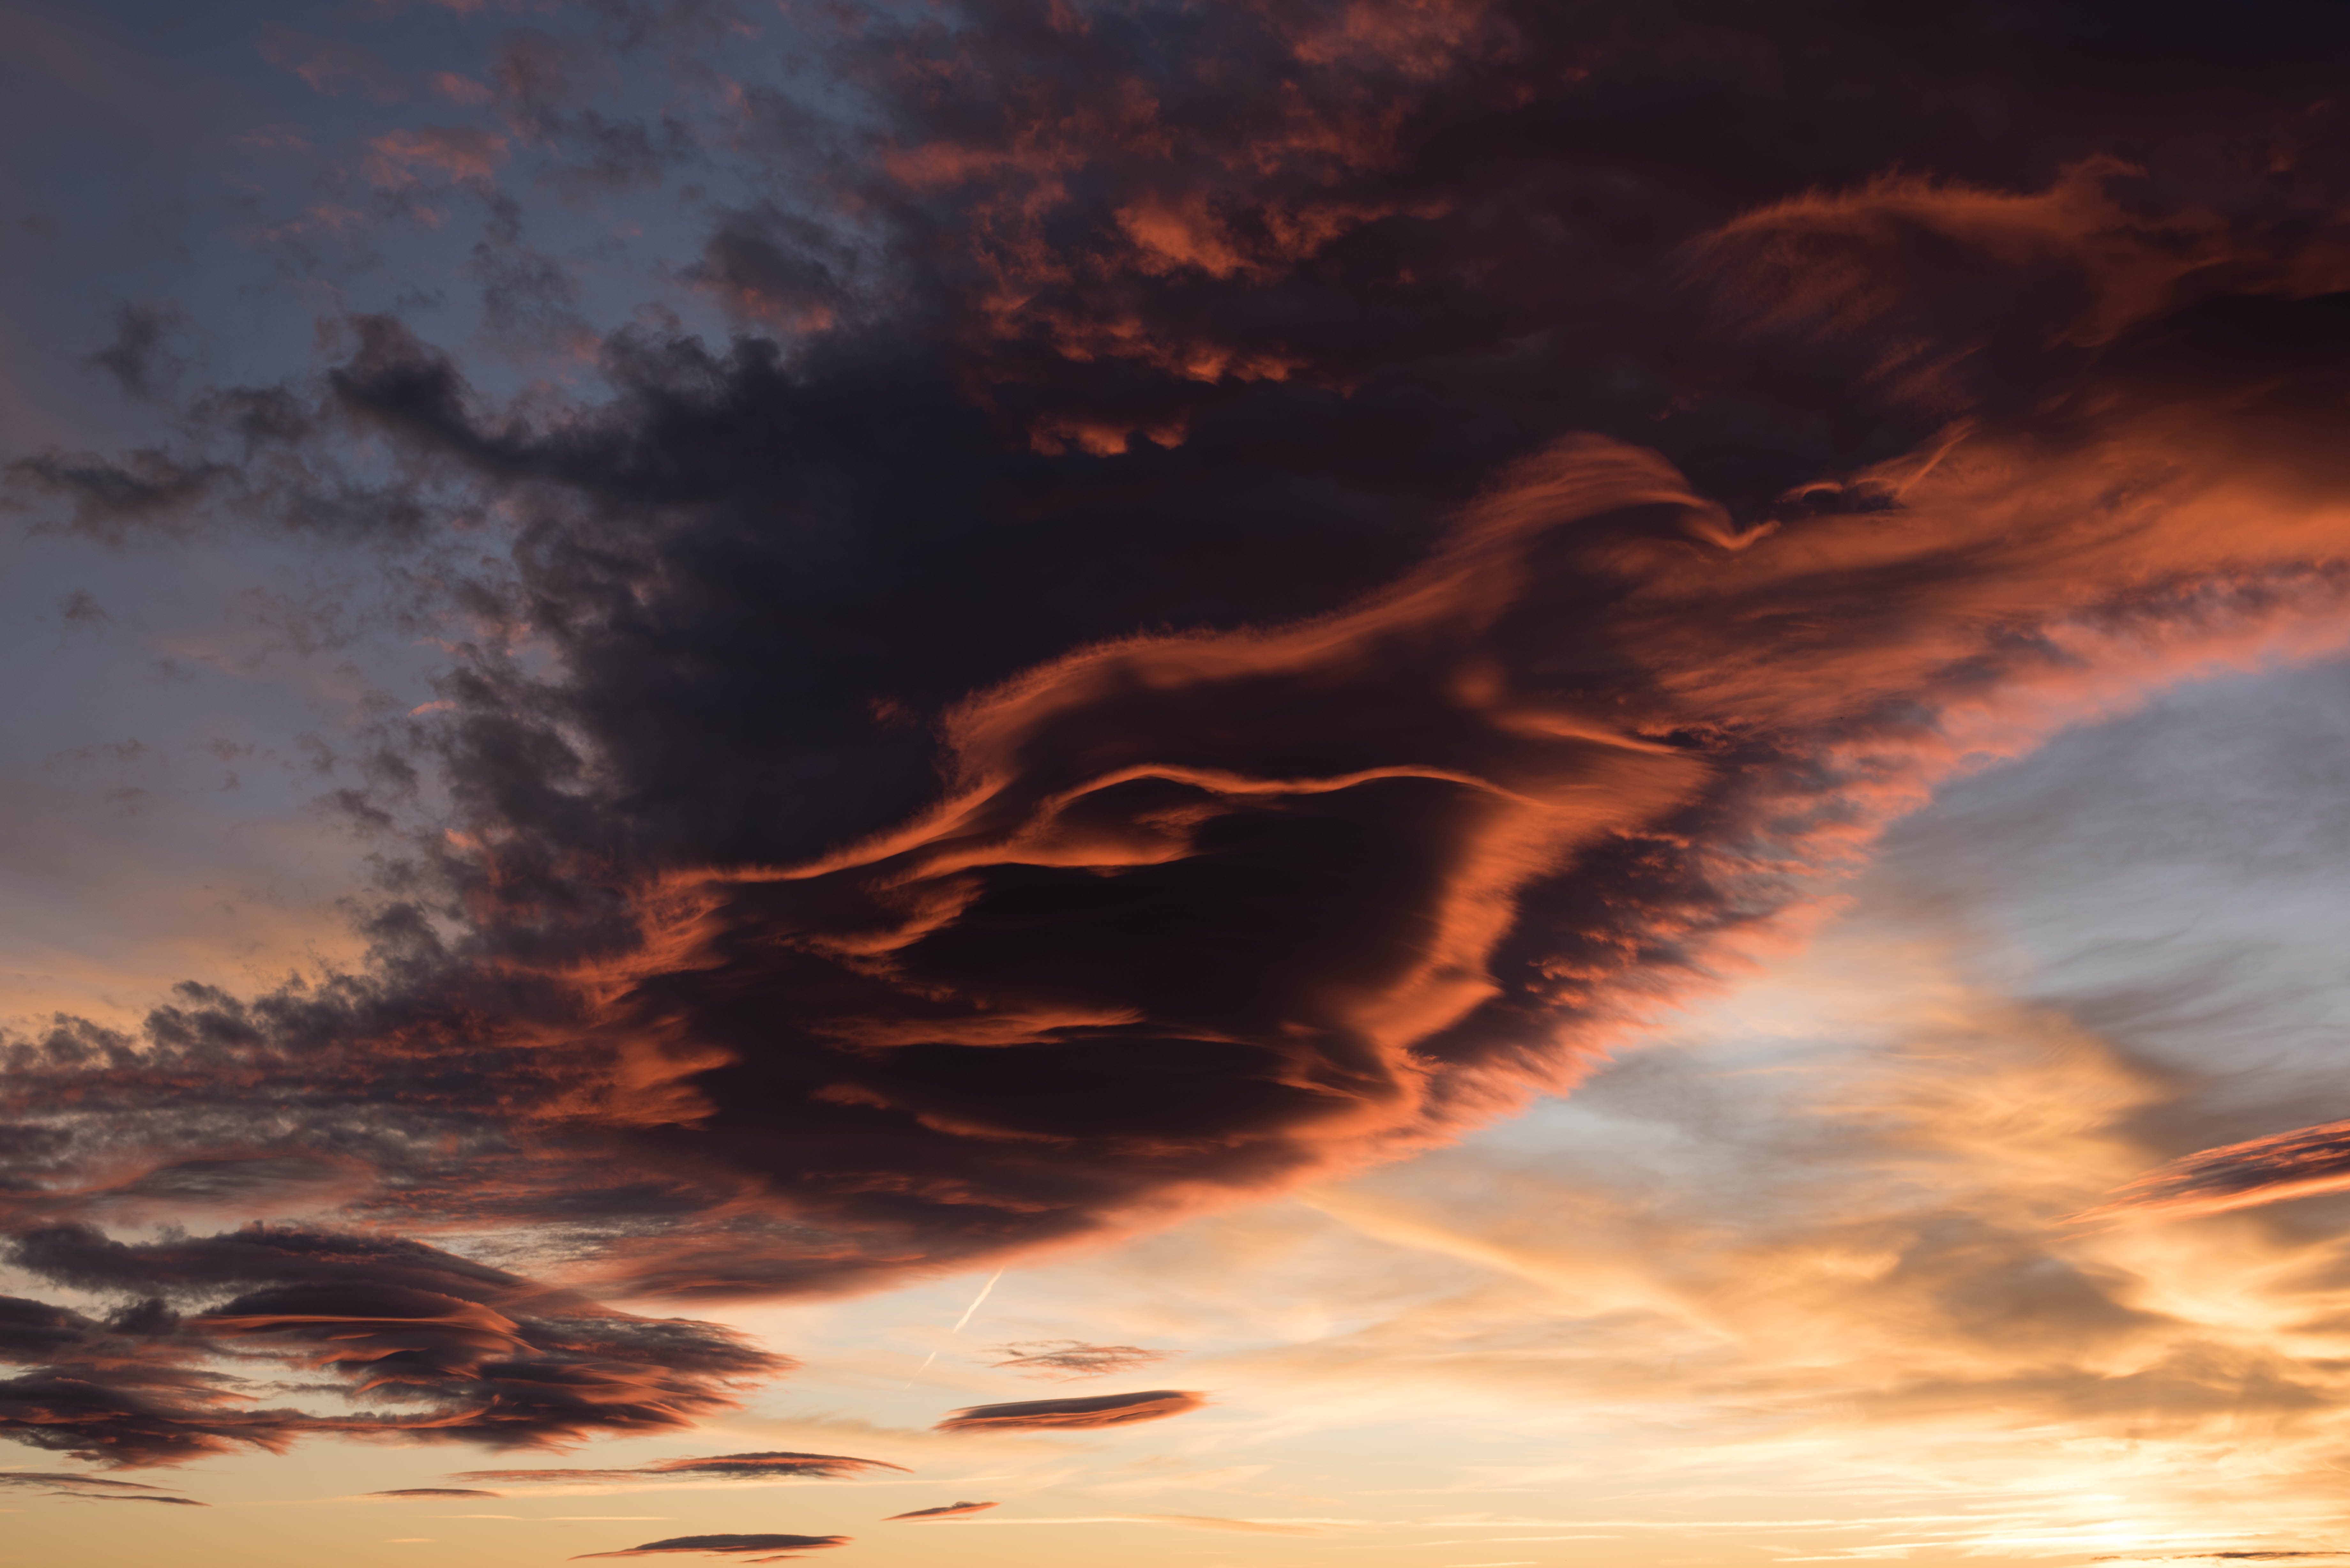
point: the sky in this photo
(1433, 783)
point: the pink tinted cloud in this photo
(399, 160)
(2307, 1163)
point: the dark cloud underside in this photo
(428, 1346)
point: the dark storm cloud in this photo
(721, 1467)
(1068, 1358)
(1061, 1415)
(458, 1350)
(945, 1511)
(1266, 583)
(728, 1546)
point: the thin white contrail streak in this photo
(965, 1318)
(977, 1299)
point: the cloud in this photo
(97, 1489)
(435, 1491)
(945, 1511)
(1252, 593)
(1082, 1413)
(399, 160)
(2300, 1164)
(787, 1547)
(475, 1353)
(138, 358)
(1239, 1526)
(331, 66)
(721, 1467)
(1072, 1358)
(1201, 1522)
(1818, 1248)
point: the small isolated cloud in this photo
(1045, 1415)
(784, 1547)
(65, 1483)
(2300, 1164)
(947, 1510)
(1065, 1360)
(139, 357)
(719, 1467)
(80, 606)
(433, 1491)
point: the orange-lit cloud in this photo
(1083, 1413)
(2304, 1163)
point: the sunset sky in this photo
(1451, 783)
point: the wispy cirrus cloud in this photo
(1062, 1359)
(2304, 1163)
(721, 1467)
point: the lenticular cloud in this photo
(1074, 1414)
(785, 1547)
(945, 1511)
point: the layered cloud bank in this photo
(454, 1348)
(1255, 588)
